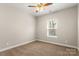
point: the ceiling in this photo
(51, 8)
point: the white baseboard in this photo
(58, 44)
(17, 45)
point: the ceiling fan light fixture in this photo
(40, 9)
(40, 6)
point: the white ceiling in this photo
(52, 8)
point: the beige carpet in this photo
(39, 48)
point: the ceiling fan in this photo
(40, 6)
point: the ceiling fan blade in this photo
(31, 6)
(48, 4)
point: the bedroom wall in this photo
(78, 27)
(16, 26)
(66, 27)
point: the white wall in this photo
(78, 26)
(16, 26)
(66, 27)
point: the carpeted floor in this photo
(39, 48)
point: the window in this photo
(51, 28)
